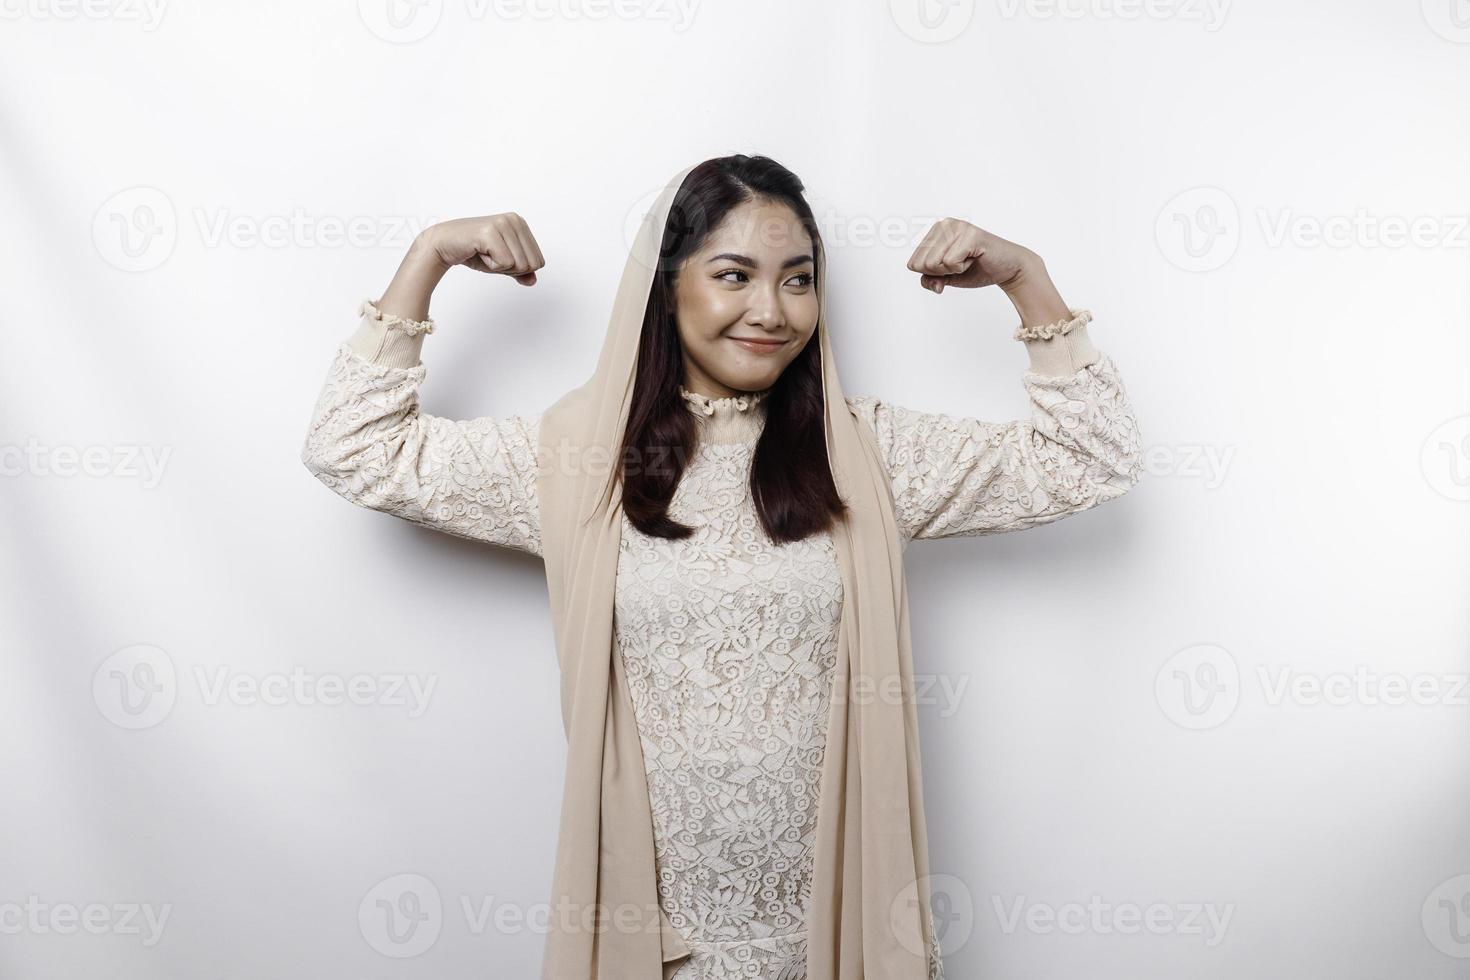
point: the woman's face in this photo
(747, 300)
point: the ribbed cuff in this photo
(378, 343)
(384, 341)
(1060, 349)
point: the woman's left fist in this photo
(956, 253)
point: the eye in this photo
(800, 279)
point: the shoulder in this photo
(884, 417)
(864, 407)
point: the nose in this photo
(765, 309)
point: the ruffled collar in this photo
(736, 418)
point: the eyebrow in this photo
(747, 260)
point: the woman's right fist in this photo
(500, 243)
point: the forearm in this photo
(413, 284)
(407, 296)
(1040, 305)
(1034, 295)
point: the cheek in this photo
(803, 313)
(707, 311)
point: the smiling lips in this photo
(759, 346)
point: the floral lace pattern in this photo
(951, 475)
(729, 640)
(369, 443)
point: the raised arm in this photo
(369, 442)
(955, 475)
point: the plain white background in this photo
(1217, 727)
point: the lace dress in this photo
(728, 639)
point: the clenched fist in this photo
(957, 253)
(499, 243)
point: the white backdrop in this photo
(1215, 728)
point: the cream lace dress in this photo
(729, 640)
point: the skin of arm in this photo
(497, 243)
(414, 283)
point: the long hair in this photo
(790, 480)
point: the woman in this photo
(722, 530)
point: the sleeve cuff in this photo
(1060, 349)
(381, 340)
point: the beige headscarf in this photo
(869, 912)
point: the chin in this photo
(751, 382)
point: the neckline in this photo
(732, 419)
(705, 405)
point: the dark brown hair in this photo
(790, 480)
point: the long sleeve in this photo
(369, 443)
(953, 475)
